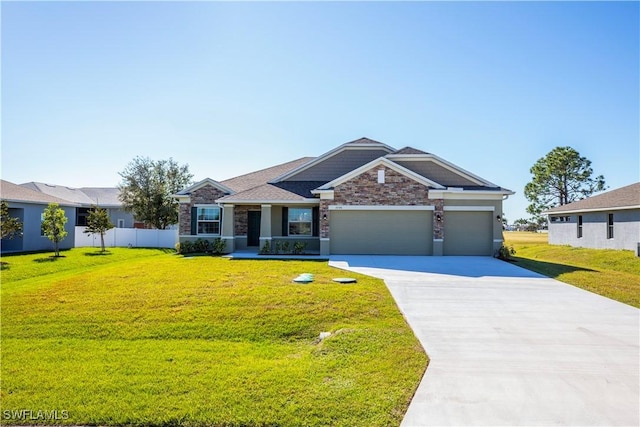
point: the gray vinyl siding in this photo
(382, 232)
(436, 173)
(626, 230)
(118, 213)
(32, 240)
(468, 233)
(338, 165)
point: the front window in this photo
(610, 226)
(208, 220)
(81, 216)
(300, 220)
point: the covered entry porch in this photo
(271, 228)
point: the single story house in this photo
(363, 197)
(28, 206)
(87, 197)
(609, 220)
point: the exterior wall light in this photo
(438, 217)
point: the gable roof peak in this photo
(364, 140)
(410, 150)
(207, 181)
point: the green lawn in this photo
(144, 337)
(613, 274)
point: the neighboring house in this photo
(28, 206)
(86, 198)
(609, 220)
(363, 197)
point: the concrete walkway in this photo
(510, 347)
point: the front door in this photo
(253, 229)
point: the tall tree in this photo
(147, 186)
(98, 222)
(9, 227)
(560, 177)
(53, 221)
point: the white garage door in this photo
(382, 232)
(468, 233)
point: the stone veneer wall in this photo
(397, 190)
(241, 219)
(206, 195)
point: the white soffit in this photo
(381, 207)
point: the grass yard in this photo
(145, 337)
(611, 273)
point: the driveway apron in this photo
(510, 347)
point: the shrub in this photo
(201, 245)
(215, 247)
(185, 247)
(219, 246)
(299, 247)
(266, 248)
(505, 252)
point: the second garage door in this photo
(382, 232)
(468, 233)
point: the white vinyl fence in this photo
(132, 237)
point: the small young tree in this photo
(98, 222)
(9, 227)
(53, 221)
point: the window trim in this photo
(310, 222)
(198, 220)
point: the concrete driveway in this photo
(510, 347)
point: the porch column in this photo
(227, 232)
(265, 225)
(325, 241)
(438, 227)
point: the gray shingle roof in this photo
(259, 186)
(74, 195)
(86, 196)
(254, 179)
(624, 197)
(289, 191)
(18, 193)
(364, 140)
(410, 150)
(103, 196)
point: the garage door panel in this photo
(382, 232)
(468, 233)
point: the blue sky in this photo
(234, 87)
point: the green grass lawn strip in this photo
(614, 274)
(207, 341)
